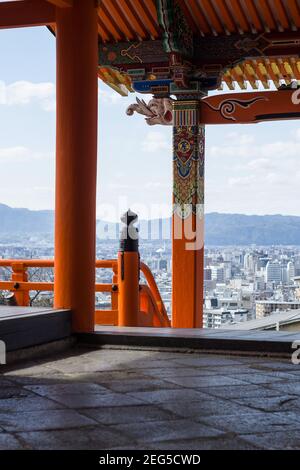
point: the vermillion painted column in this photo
(76, 161)
(188, 216)
(129, 272)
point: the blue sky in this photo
(249, 169)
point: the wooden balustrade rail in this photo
(153, 312)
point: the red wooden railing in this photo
(152, 309)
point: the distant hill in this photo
(16, 221)
(221, 229)
(237, 229)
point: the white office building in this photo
(274, 272)
(218, 274)
(290, 272)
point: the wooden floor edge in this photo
(212, 345)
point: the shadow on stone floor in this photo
(125, 399)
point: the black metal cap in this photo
(129, 239)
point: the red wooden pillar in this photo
(76, 161)
(188, 216)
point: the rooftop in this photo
(276, 302)
(270, 322)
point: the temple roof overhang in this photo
(129, 20)
(214, 42)
(168, 47)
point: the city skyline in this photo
(241, 284)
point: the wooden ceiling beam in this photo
(140, 10)
(26, 13)
(252, 15)
(133, 19)
(266, 15)
(247, 108)
(225, 14)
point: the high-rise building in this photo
(290, 272)
(249, 262)
(218, 274)
(207, 274)
(262, 262)
(267, 307)
(163, 264)
(273, 272)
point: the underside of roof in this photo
(128, 20)
(121, 20)
(255, 72)
(249, 74)
(135, 21)
(225, 17)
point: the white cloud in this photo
(154, 185)
(260, 164)
(240, 151)
(243, 147)
(297, 134)
(14, 153)
(241, 181)
(236, 138)
(19, 154)
(262, 176)
(43, 189)
(279, 149)
(108, 96)
(119, 186)
(155, 141)
(22, 93)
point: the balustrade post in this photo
(20, 274)
(129, 272)
(115, 293)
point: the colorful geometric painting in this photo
(188, 161)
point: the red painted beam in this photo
(26, 13)
(248, 108)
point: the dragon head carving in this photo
(157, 111)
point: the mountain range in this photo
(220, 229)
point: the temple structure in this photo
(177, 51)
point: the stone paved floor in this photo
(125, 399)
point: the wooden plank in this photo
(9, 312)
(261, 342)
(26, 13)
